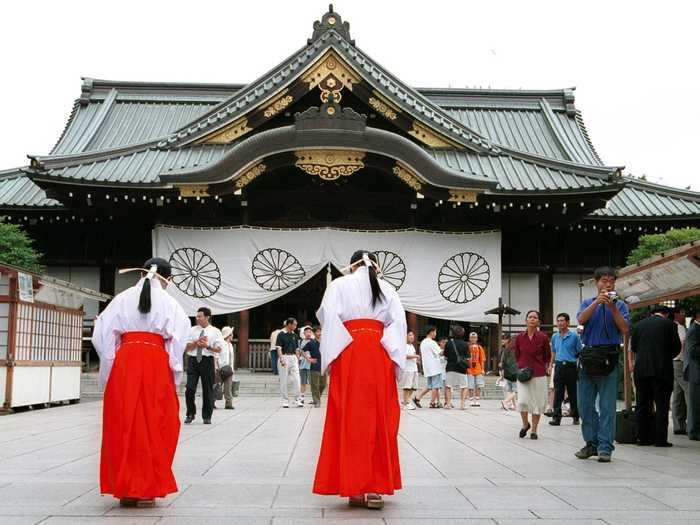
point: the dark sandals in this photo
(523, 431)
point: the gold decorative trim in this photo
(250, 175)
(278, 105)
(233, 131)
(462, 196)
(331, 74)
(430, 138)
(330, 164)
(194, 190)
(407, 176)
(331, 64)
(383, 107)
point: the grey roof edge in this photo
(58, 161)
(94, 87)
(604, 172)
(73, 112)
(562, 99)
(612, 186)
(584, 131)
(11, 173)
(661, 188)
(288, 139)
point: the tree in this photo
(650, 245)
(16, 248)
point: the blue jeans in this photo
(273, 361)
(598, 424)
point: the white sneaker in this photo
(410, 406)
(285, 404)
(477, 402)
(300, 403)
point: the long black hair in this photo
(377, 294)
(164, 270)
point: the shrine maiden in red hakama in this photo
(140, 338)
(364, 344)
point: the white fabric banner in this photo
(453, 276)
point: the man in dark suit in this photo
(691, 373)
(655, 343)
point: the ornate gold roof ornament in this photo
(383, 106)
(193, 190)
(331, 74)
(428, 137)
(408, 176)
(282, 101)
(329, 164)
(462, 196)
(232, 132)
(250, 175)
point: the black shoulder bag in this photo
(462, 363)
(599, 360)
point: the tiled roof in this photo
(641, 199)
(138, 167)
(519, 175)
(18, 191)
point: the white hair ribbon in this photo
(150, 273)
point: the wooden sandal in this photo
(357, 501)
(146, 503)
(375, 501)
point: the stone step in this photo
(261, 384)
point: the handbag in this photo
(218, 392)
(225, 372)
(524, 374)
(599, 360)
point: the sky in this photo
(635, 65)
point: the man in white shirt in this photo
(408, 380)
(205, 342)
(430, 353)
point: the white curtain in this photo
(443, 275)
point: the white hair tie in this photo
(152, 272)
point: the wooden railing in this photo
(258, 354)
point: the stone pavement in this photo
(255, 465)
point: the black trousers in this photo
(565, 377)
(196, 371)
(652, 392)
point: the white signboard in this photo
(26, 288)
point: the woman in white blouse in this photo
(364, 344)
(140, 338)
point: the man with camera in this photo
(605, 320)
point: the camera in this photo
(612, 295)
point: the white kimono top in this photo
(350, 297)
(166, 318)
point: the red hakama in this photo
(140, 421)
(359, 452)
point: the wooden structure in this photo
(40, 338)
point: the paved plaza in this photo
(255, 465)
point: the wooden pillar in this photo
(243, 334)
(412, 322)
